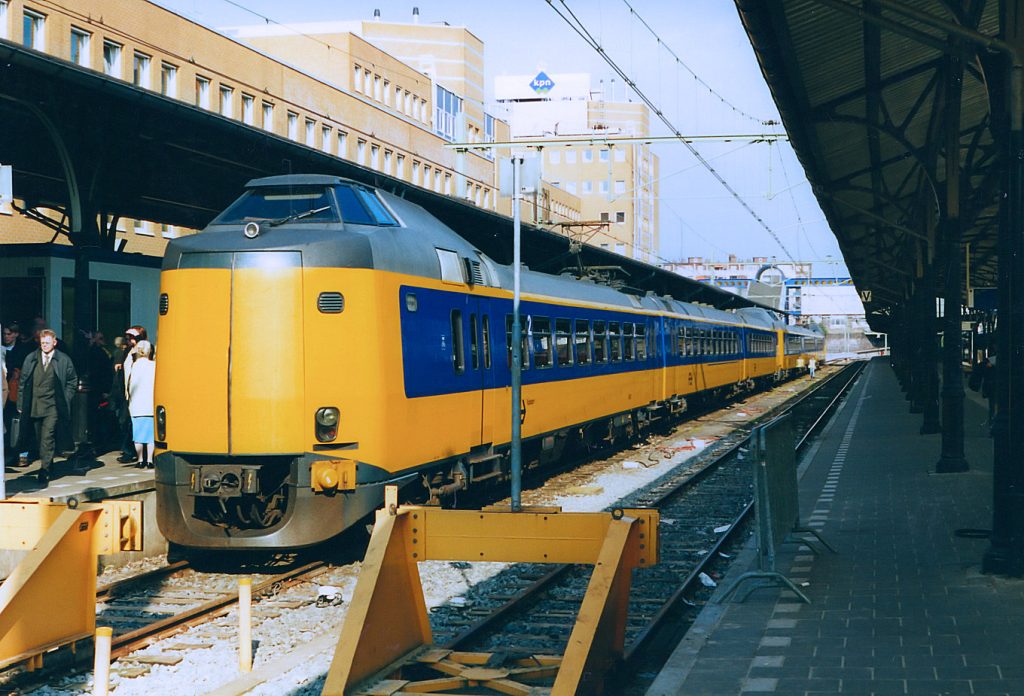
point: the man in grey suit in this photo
(45, 393)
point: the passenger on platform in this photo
(140, 402)
(100, 375)
(46, 389)
(812, 365)
(11, 333)
(119, 391)
(24, 344)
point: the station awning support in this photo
(386, 638)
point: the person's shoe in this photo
(127, 459)
(44, 476)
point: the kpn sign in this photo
(542, 84)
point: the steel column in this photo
(1006, 552)
(952, 459)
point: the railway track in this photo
(705, 513)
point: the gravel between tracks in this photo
(290, 620)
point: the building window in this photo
(588, 155)
(376, 87)
(168, 80)
(620, 186)
(570, 186)
(620, 216)
(310, 132)
(79, 47)
(227, 101)
(415, 173)
(604, 217)
(447, 184)
(446, 113)
(620, 155)
(375, 156)
(604, 186)
(387, 92)
(620, 249)
(361, 152)
(32, 30)
(554, 157)
(387, 161)
(248, 115)
(3, 19)
(268, 116)
(112, 58)
(367, 83)
(203, 92)
(400, 167)
(570, 157)
(342, 144)
(325, 138)
(398, 98)
(140, 70)
(357, 78)
(588, 187)
(408, 103)
(603, 155)
(293, 125)
(437, 180)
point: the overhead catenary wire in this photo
(577, 25)
(679, 61)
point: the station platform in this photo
(903, 607)
(85, 480)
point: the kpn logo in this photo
(542, 84)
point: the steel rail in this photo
(485, 623)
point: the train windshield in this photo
(300, 203)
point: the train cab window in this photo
(474, 346)
(458, 349)
(628, 342)
(524, 349)
(540, 341)
(641, 342)
(581, 338)
(451, 267)
(299, 204)
(615, 341)
(378, 211)
(487, 341)
(600, 342)
(563, 342)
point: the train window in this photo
(524, 350)
(628, 342)
(474, 346)
(487, 341)
(582, 341)
(540, 340)
(615, 342)
(281, 203)
(381, 215)
(681, 341)
(563, 342)
(641, 342)
(600, 342)
(458, 349)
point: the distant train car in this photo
(321, 339)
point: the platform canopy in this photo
(862, 87)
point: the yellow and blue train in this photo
(321, 339)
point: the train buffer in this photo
(49, 599)
(386, 641)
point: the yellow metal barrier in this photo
(387, 624)
(49, 599)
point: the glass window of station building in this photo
(80, 40)
(447, 107)
(32, 30)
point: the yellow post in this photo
(101, 662)
(245, 624)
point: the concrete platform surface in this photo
(85, 479)
(903, 607)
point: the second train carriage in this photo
(321, 339)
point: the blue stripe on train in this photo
(428, 357)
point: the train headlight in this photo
(251, 230)
(161, 423)
(327, 423)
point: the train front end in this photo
(251, 452)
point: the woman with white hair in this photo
(140, 402)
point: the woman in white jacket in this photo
(140, 403)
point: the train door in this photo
(482, 326)
(265, 354)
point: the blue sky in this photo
(698, 216)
